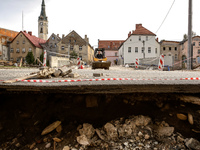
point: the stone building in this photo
(74, 42)
(43, 23)
(6, 36)
(171, 48)
(23, 43)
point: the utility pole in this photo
(189, 36)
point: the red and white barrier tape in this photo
(106, 79)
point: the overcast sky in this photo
(102, 19)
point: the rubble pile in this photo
(134, 133)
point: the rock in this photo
(59, 128)
(181, 116)
(57, 140)
(73, 75)
(140, 134)
(190, 119)
(146, 136)
(87, 130)
(111, 131)
(66, 148)
(165, 131)
(99, 134)
(17, 145)
(192, 143)
(51, 127)
(48, 145)
(83, 140)
(32, 146)
(142, 120)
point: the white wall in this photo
(133, 41)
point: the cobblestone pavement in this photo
(155, 76)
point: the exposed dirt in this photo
(24, 116)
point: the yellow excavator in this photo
(100, 61)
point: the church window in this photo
(41, 30)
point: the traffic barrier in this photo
(161, 63)
(45, 58)
(136, 63)
(79, 63)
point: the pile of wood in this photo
(44, 73)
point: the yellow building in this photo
(24, 43)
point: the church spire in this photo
(43, 12)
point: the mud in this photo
(23, 116)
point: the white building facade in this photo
(141, 43)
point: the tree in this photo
(73, 54)
(30, 58)
(185, 36)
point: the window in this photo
(139, 38)
(130, 39)
(142, 49)
(176, 57)
(29, 50)
(23, 50)
(115, 53)
(169, 54)
(156, 51)
(23, 41)
(146, 38)
(41, 30)
(198, 51)
(55, 45)
(71, 48)
(51, 45)
(62, 48)
(17, 50)
(11, 59)
(194, 60)
(193, 43)
(163, 48)
(108, 46)
(175, 48)
(149, 49)
(199, 43)
(53, 38)
(80, 48)
(11, 50)
(170, 48)
(129, 49)
(136, 49)
(17, 42)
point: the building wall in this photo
(172, 48)
(112, 55)
(21, 43)
(133, 42)
(196, 50)
(5, 37)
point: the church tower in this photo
(43, 23)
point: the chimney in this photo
(63, 36)
(30, 33)
(137, 25)
(157, 39)
(86, 38)
(25, 31)
(129, 34)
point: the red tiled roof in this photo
(140, 30)
(110, 44)
(34, 40)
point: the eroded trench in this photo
(24, 115)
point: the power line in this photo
(166, 16)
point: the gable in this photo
(74, 39)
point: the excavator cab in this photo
(100, 61)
